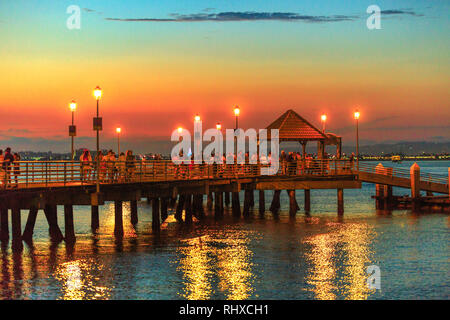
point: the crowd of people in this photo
(112, 168)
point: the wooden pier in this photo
(43, 186)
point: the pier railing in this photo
(34, 174)
(29, 174)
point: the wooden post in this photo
(235, 204)
(252, 198)
(293, 205)
(156, 223)
(307, 201)
(340, 201)
(4, 228)
(51, 213)
(68, 223)
(188, 209)
(133, 212)
(379, 190)
(275, 205)
(118, 218)
(246, 211)
(449, 182)
(16, 228)
(95, 220)
(227, 199)
(218, 206)
(164, 205)
(387, 192)
(209, 201)
(262, 202)
(29, 226)
(415, 186)
(180, 207)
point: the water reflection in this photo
(217, 264)
(80, 280)
(339, 260)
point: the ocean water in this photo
(320, 256)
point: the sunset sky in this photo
(161, 62)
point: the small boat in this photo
(396, 159)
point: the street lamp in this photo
(324, 119)
(98, 128)
(197, 118)
(356, 115)
(180, 129)
(218, 126)
(237, 111)
(72, 128)
(118, 130)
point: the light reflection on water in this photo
(316, 257)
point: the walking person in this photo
(8, 160)
(86, 165)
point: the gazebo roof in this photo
(292, 127)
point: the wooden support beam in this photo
(247, 200)
(218, 204)
(227, 198)
(134, 212)
(209, 201)
(275, 205)
(252, 198)
(188, 209)
(16, 229)
(156, 219)
(340, 201)
(95, 220)
(164, 205)
(262, 202)
(180, 207)
(379, 189)
(235, 204)
(4, 228)
(29, 226)
(51, 214)
(69, 227)
(307, 201)
(293, 205)
(118, 219)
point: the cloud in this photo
(242, 16)
(91, 10)
(400, 12)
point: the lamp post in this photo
(357, 114)
(72, 128)
(324, 119)
(218, 126)
(98, 127)
(118, 130)
(237, 111)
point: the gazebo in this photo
(293, 127)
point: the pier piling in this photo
(4, 228)
(188, 209)
(235, 204)
(133, 212)
(27, 235)
(68, 223)
(95, 220)
(227, 199)
(156, 222)
(118, 218)
(179, 209)
(415, 187)
(16, 228)
(247, 203)
(307, 195)
(262, 202)
(164, 205)
(275, 205)
(293, 205)
(340, 201)
(51, 213)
